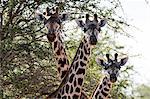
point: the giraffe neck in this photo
(60, 55)
(61, 59)
(71, 85)
(103, 89)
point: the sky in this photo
(137, 13)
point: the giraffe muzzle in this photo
(51, 37)
(113, 78)
(93, 40)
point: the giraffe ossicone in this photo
(53, 23)
(112, 67)
(52, 20)
(91, 27)
(71, 86)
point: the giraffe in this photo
(53, 22)
(54, 36)
(112, 68)
(71, 86)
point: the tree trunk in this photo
(0, 51)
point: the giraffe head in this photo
(112, 66)
(52, 21)
(91, 28)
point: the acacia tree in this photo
(142, 92)
(27, 63)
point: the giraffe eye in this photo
(99, 29)
(119, 67)
(108, 72)
(84, 29)
(59, 21)
(45, 21)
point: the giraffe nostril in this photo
(113, 78)
(51, 31)
(51, 37)
(93, 40)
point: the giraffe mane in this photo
(97, 87)
(84, 94)
(66, 76)
(94, 90)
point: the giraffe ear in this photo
(39, 15)
(123, 61)
(102, 23)
(80, 23)
(64, 17)
(100, 62)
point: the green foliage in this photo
(27, 62)
(143, 92)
